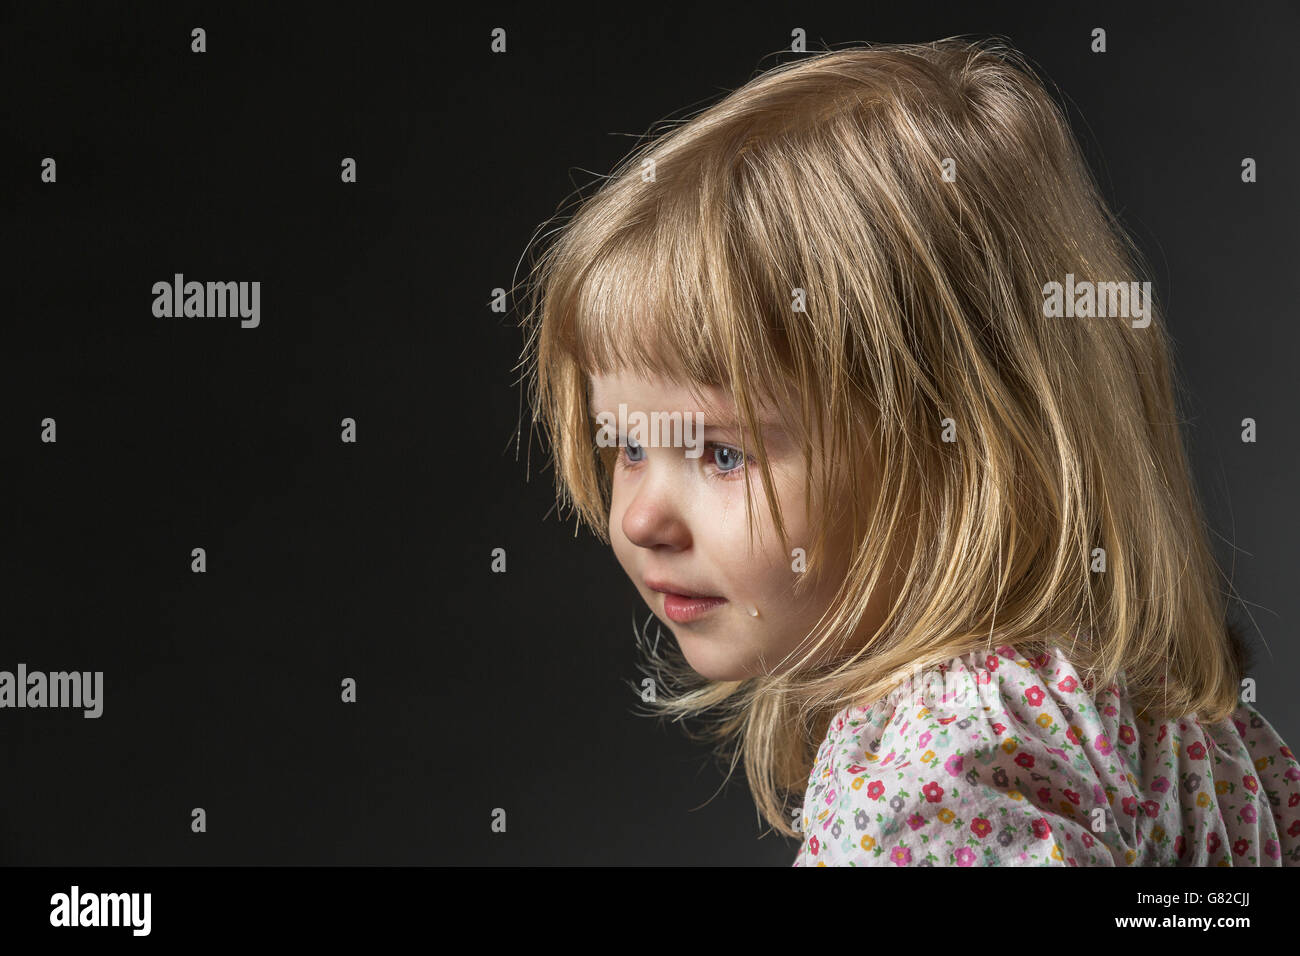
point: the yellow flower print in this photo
(1044, 720)
(1221, 786)
(867, 843)
(1056, 852)
(1009, 746)
(1158, 834)
(946, 815)
(1203, 799)
(927, 756)
(1015, 795)
(858, 782)
(1067, 807)
(1261, 764)
(1130, 856)
(923, 713)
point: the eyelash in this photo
(710, 446)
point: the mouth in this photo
(682, 606)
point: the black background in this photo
(329, 560)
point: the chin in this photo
(713, 666)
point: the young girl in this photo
(935, 561)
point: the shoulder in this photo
(971, 767)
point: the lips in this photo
(683, 609)
(683, 604)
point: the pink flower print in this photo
(875, 790)
(1212, 842)
(1007, 651)
(1180, 845)
(965, 856)
(992, 663)
(933, 792)
(1130, 806)
(1034, 695)
(999, 729)
(1248, 813)
(1068, 685)
(1292, 773)
(981, 827)
(900, 856)
(1024, 759)
(924, 739)
(814, 845)
(1072, 797)
(1164, 729)
(1088, 841)
(1151, 807)
(1241, 846)
(1250, 783)
(1109, 710)
(1044, 794)
(983, 677)
(1160, 784)
(1272, 849)
(1126, 734)
(1102, 743)
(1041, 661)
(916, 821)
(1196, 751)
(1042, 829)
(953, 765)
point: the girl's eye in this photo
(730, 461)
(726, 458)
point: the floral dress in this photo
(1016, 763)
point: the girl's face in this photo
(678, 527)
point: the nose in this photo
(655, 518)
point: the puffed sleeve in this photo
(903, 783)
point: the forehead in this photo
(654, 394)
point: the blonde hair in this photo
(924, 303)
